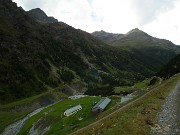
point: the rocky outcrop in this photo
(107, 37)
(40, 16)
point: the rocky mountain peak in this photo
(136, 31)
(106, 36)
(40, 16)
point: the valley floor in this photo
(139, 116)
(135, 117)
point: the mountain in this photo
(41, 16)
(134, 39)
(172, 68)
(139, 39)
(36, 57)
(106, 37)
(151, 51)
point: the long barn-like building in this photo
(101, 105)
(72, 110)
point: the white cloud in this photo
(74, 12)
(156, 17)
(166, 26)
(115, 15)
(149, 10)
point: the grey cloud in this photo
(148, 10)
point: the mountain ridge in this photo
(107, 37)
(135, 38)
(40, 15)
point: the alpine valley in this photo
(55, 79)
(39, 54)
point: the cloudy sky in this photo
(159, 18)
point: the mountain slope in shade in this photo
(36, 57)
(41, 16)
(172, 68)
(152, 52)
(154, 49)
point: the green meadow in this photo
(53, 117)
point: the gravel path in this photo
(169, 117)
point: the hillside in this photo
(172, 68)
(38, 57)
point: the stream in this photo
(14, 128)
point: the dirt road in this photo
(169, 117)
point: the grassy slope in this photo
(137, 118)
(139, 86)
(56, 119)
(61, 124)
(7, 116)
(54, 94)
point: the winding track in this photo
(169, 117)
